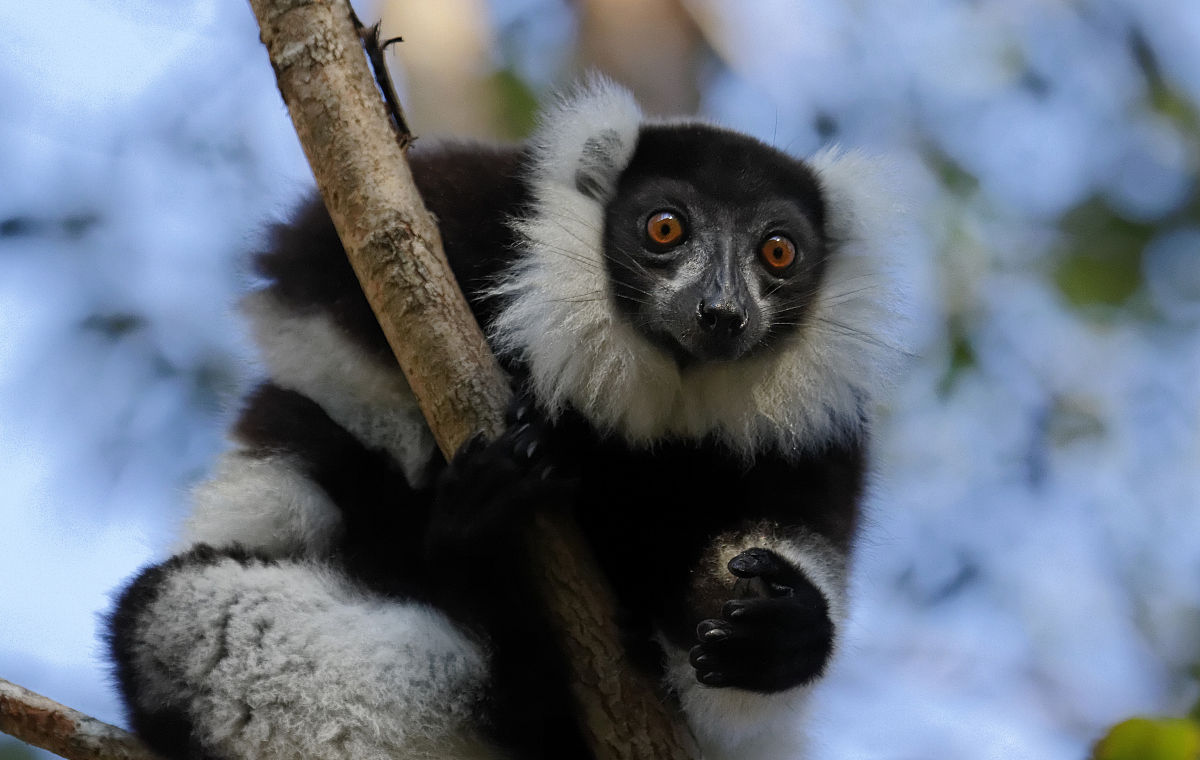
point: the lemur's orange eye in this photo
(778, 252)
(664, 228)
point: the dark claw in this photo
(472, 445)
(712, 630)
(530, 449)
(520, 409)
(733, 609)
(711, 678)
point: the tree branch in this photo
(44, 723)
(395, 248)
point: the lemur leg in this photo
(296, 638)
(222, 654)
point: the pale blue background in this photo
(1031, 571)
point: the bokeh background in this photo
(1031, 570)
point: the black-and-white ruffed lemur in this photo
(692, 319)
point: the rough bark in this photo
(391, 239)
(394, 246)
(44, 723)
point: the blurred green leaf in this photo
(1151, 739)
(1175, 107)
(962, 356)
(1100, 263)
(1194, 672)
(950, 173)
(518, 103)
(1164, 99)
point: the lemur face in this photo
(713, 257)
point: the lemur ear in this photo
(600, 164)
(586, 139)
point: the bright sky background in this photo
(1031, 571)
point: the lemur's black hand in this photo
(775, 636)
(490, 490)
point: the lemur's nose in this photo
(723, 318)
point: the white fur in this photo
(310, 354)
(265, 504)
(595, 108)
(559, 316)
(732, 723)
(290, 660)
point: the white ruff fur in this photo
(559, 316)
(290, 661)
(310, 354)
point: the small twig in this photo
(383, 78)
(44, 723)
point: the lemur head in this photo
(714, 243)
(677, 279)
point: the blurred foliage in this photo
(953, 177)
(1162, 97)
(518, 103)
(962, 356)
(1175, 107)
(1151, 739)
(1100, 261)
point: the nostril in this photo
(721, 318)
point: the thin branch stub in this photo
(369, 36)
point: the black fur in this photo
(304, 277)
(630, 501)
(479, 573)
(308, 271)
(384, 519)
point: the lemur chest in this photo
(659, 509)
